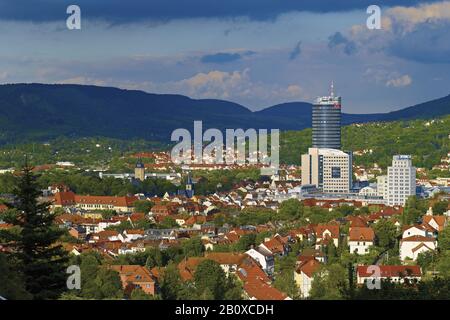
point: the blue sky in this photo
(254, 52)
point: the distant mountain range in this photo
(44, 111)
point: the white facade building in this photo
(328, 169)
(401, 180)
(395, 273)
(264, 258)
(411, 247)
(368, 191)
(360, 239)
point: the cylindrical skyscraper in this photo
(326, 122)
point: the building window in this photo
(335, 172)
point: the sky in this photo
(254, 52)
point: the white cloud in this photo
(422, 13)
(294, 90)
(4, 75)
(402, 81)
(234, 85)
(215, 84)
(418, 33)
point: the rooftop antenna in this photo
(332, 89)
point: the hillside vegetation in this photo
(427, 140)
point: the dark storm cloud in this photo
(337, 40)
(296, 51)
(224, 57)
(119, 11)
(220, 57)
(428, 43)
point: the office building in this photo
(326, 122)
(330, 170)
(401, 180)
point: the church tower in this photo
(139, 171)
(189, 186)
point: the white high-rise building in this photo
(328, 169)
(401, 180)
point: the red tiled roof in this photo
(308, 267)
(275, 245)
(361, 234)
(131, 271)
(260, 290)
(67, 198)
(188, 266)
(357, 221)
(256, 282)
(106, 200)
(135, 231)
(5, 226)
(321, 228)
(391, 271)
(440, 220)
(418, 239)
(249, 270)
(105, 235)
(420, 246)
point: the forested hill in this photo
(38, 112)
(427, 140)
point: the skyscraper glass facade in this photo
(326, 123)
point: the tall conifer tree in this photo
(41, 260)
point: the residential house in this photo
(263, 257)
(131, 235)
(304, 275)
(410, 247)
(417, 230)
(360, 239)
(277, 245)
(162, 210)
(256, 284)
(326, 233)
(228, 261)
(311, 254)
(438, 223)
(398, 274)
(135, 276)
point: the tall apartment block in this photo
(400, 182)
